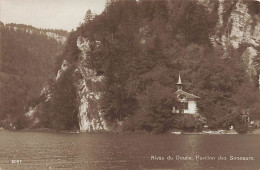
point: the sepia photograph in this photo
(130, 84)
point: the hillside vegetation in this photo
(27, 60)
(140, 48)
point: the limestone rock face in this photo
(237, 27)
(89, 93)
(63, 68)
(61, 39)
(248, 57)
(88, 87)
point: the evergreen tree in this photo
(88, 16)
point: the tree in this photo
(88, 16)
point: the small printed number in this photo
(16, 162)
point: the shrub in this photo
(241, 127)
(188, 123)
(21, 122)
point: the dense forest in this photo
(140, 48)
(27, 60)
(144, 47)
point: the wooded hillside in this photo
(27, 62)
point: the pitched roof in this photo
(188, 95)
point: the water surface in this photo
(110, 151)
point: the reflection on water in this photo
(104, 151)
(192, 142)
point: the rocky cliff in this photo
(238, 26)
(89, 93)
(88, 88)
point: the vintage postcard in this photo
(130, 84)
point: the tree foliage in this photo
(142, 48)
(26, 63)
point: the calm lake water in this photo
(105, 151)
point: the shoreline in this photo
(219, 132)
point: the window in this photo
(182, 97)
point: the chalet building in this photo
(187, 103)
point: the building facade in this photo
(187, 103)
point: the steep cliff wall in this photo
(88, 88)
(89, 93)
(237, 27)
